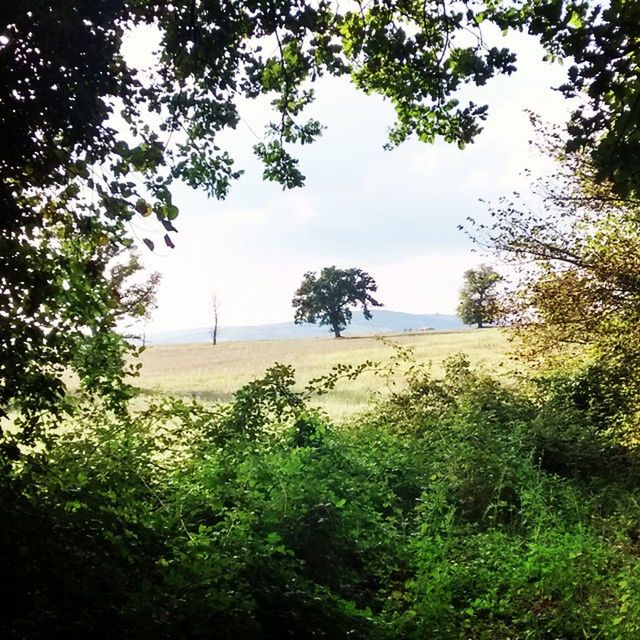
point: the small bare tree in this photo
(216, 307)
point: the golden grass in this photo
(213, 373)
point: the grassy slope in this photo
(214, 373)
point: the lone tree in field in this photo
(215, 303)
(328, 299)
(478, 296)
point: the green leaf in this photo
(575, 20)
(143, 207)
(170, 211)
(274, 538)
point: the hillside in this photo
(383, 321)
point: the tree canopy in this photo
(478, 296)
(328, 299)
(602, 40)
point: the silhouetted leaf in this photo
(168, 226)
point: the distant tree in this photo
(215, 302)
(478, 296)
(327, 300)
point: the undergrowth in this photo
(454, 508)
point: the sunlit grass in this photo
(213, 373)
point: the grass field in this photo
(213, 373)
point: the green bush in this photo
(457, 508)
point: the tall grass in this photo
(213, 374)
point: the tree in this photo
(578, 260)
(215, 303)
(327, 299)
(575, 303)
(71, 182)
(135, 296)
(478, 296)
(602, 40)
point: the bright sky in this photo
(392, 213)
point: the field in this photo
(213, 373)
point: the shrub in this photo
(457, 508)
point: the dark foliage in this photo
(328, 298)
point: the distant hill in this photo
(383, 321)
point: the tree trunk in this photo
(214, 331)
(336, 331)
(480, 325)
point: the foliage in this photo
(456, 508)
(576, 299)
(135, 299)
(478, 296)
(90, 293)
(576, 252)
(602, 41)
(328, 298)
(59, 68)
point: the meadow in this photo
(213, 373)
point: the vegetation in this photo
(457, 508)
(70, 181)
(577, 261)
(479, 297)
(602, 39)
(327, 299)
(454, 507)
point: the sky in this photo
(394, 214)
